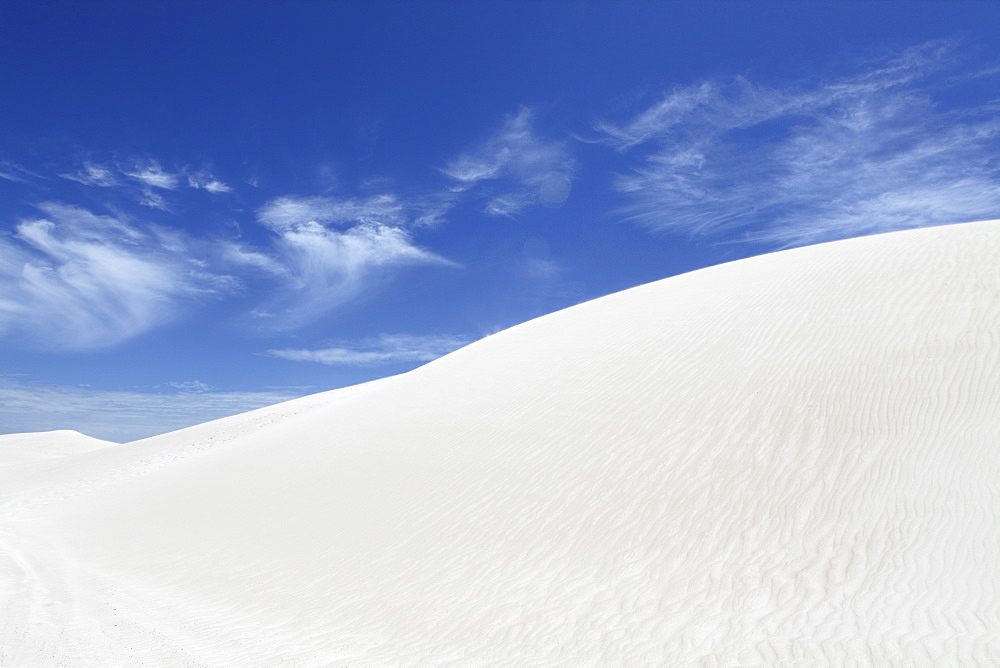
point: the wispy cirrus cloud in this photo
(868, 153)
(76, 280)
(152, 199)
(236, 255)
(123, 416)
(516, 168)
(333, 249)
(92, 174)
(322, 251)
(144, 180)
(73, 279)
(13, 172)
(195, 386)
(204, 180)
(153, 175)
(287, 212)
(385, 349)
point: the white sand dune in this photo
(24, 448)
(788, 460)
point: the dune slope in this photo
(36, 446)
(787, 459)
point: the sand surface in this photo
(44, 445)
(788, 460)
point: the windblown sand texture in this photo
(791, 459)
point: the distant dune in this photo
(23, 448)
(792, 459)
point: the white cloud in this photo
(72, 279)
(80, 280)
(429, 212)
(506, 205)
(154, 176)
(77, 280)
(92, 174)
(386, 349)
(234, 254)
(520, 168)
(142, 181)
(660, 119)
(16, 173)
(195, 386)
(326, 267)
(205, 181)
(153, 200)
(329, 267)
(864, 154)
(216, 187)
(285, 213)
(122, 416)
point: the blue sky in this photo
(211, 207)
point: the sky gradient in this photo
(211, 207)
